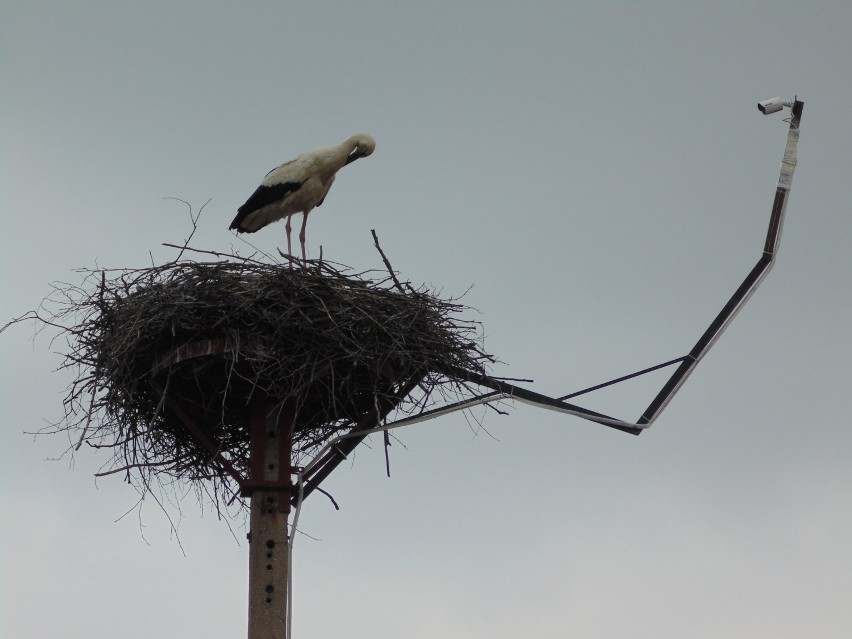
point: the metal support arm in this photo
(687, 363)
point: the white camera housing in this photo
(773, 105)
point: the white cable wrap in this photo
(788, 164)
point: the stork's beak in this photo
(354, 156)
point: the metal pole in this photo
(270, 489)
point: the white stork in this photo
(298, 186)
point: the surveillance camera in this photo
(773, 105)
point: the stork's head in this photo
(362, 145)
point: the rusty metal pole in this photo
(270, 488)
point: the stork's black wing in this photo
(261, 197)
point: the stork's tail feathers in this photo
(235, 225)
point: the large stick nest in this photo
(210, 337)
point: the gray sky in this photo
(597, 171)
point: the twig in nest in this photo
(385, 260)
(327, 494)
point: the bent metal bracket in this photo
(336, 449)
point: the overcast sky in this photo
(600, 176)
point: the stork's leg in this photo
(287, 226)
(302, 237)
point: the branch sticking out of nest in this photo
(213, 335)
